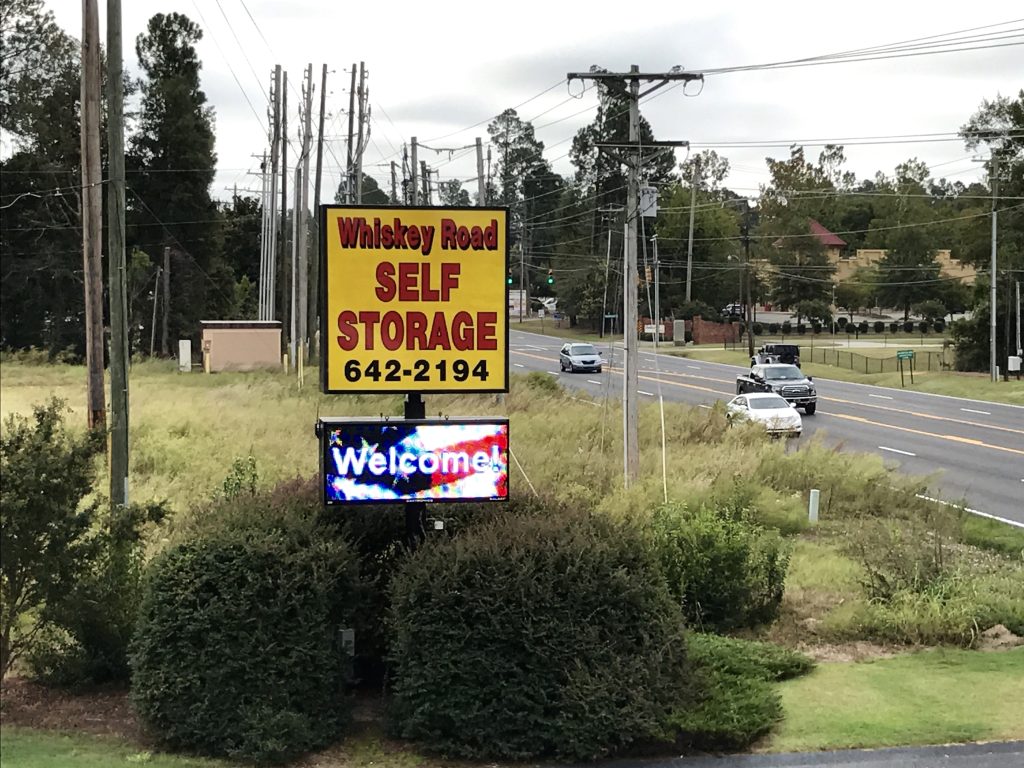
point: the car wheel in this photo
(810, 408)
(599, 369)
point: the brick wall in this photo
(706, 332)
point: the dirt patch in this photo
(859, 650)
(998, 638)
(103, 712)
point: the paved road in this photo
(1000, 755)
(977, 448)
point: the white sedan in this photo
(767, 408)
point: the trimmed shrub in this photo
(238, 647)
(721, 565)
(773, 328)
(737, 703)
(758, 329)
(816, 327)
(842, 322)
(940, 326)
(894, 327)
(542, 636)
(801, 329)
(879, 326)
(787, 327)
(908, 326)
(862, 326)
(924, 326)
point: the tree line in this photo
(570, 225)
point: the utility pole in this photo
(314, 262)
(302, 198)
(689, 239)
(426, 182)
(350, 186)
(165, 342)
(119, 354)
(152, 326)
(264, 231)
(992, 288)
(746, 272)
(293, 341)
(481, 182)
(633, 160)
(522, 274)
(282, 266)
(394, 183)
(275, 142)
(413, 173)
(657, 295)
(92, 215)
(1019, 350)
(362, 121)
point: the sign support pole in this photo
(415, 511)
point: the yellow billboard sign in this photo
(414, 299)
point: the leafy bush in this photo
(88, 629)
(862, 326)
(724, 569)
(894, 327)
(238, 648)
(801, 329)
(912, 555)
(879, 326)
(842, 322)
(940, 326)
(787, 327)
(908, 326)
(816, 327)
(543, 635)
(758, 329)
(689, 309)
(45, 473)
(773, 328)
(737, 703)
(924, 326)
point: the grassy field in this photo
(29, 748)
(188, 429)
(933, 697)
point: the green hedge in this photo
(724, 569)
(737, 703)
(238, 647)
(535, 636)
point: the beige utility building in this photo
(242, 345)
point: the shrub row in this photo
(843, 325)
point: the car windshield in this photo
(786, 350)
(783, 373)
(582, 349)
(766, 403)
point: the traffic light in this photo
(510, 277)
(551, 277)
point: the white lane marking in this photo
(593, 381)
(649, 394)
(694, 367)
(701, 405)
(972, 410)
(881, 397)
(977, 512)
(518, 365)
(897, 450)
(553, 373)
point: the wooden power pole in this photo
(302, 218)
(92, 215)
(481, 182)
(413, 172)
(119, 354)
(628, 84)
(314, 262)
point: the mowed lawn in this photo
(931, 697)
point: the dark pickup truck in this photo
(787, 381)
(777, 353)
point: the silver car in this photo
(768, 409)
(579, 357)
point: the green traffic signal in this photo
(551, 278)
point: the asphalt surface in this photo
(973, 449)
(999, 755)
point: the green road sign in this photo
(905, 354)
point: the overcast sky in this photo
(438, 69)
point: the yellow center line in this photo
(951, 438)
(924, 415)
